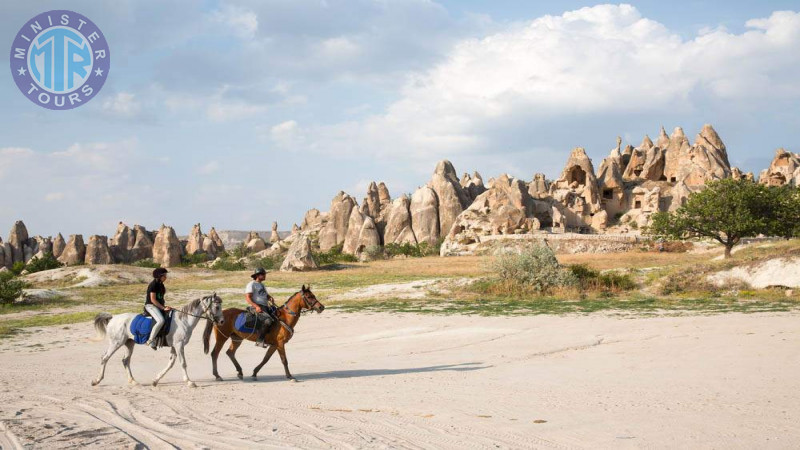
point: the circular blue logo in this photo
(60, 59)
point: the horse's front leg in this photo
(269, 353)
(282, 353)
(126, 361)
(172, 357)
(182, 357)
(112, 347)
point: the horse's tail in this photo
(100, 323)
(207, 335)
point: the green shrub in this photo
(240, 251)
(591, 279)
(267, 262)
(414, 251)
(10, 287)
(534, 269)
(374, 252)
(228, 264)
(46, 262)
(332, 256)
(405, 249)
(17, 267)
(147, 262)
(191, 260)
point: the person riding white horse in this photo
(155, 305)
(118, 330)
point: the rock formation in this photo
(274, 237)
(610, 182)
(424, 209)
(398, 226)
(167, 248)
(214, 237)
(782, 170)
(98, 252)
(449, 193)
(16, 240)
(194, 244)
(58, 245)
(299, 257)
(142, 245)
(506, 208)
(313, 220)
(361, 233)
(335, 230)
(254, 243)
(576, 189)
(74, 251)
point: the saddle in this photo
(141, 326)
(249, 322)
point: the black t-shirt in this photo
(158, 287)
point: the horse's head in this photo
(310, 300)
(212, 308)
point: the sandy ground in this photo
(413, 381)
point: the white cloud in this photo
(606, 59)
(286, 134)
(242, 21)
(224, 110)
(209, 168)
(54, 196)
(123, 104)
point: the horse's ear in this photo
(303, 288)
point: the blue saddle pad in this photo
(240, 324)
(141, 326)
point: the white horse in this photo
(118, 330)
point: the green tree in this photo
(10, 287)
(729, 210)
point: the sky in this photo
(237, 113)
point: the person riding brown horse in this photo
(287, 315)
(262, 305)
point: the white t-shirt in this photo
(259, 292)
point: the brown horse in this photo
(278, 336)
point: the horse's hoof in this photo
(133, 383)
(95, 382)
(254, 377)
(293, 379)
(218, 378)
(155, 383)
(240, 376)
(191, 384)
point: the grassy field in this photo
(667, 283)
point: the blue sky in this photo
(237, 113)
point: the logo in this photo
(60, 59)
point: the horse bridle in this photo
(309, 306)
(204, 314)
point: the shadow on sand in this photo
(360, 373)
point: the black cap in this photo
(257, 272)
(159, 272)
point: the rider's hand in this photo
(259, 310)
(167, 308)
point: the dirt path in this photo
(412, 381)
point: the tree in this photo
(10, 287)
(729, 210)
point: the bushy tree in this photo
(10, 287)
(729, 210)
(46, 262)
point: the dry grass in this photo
(635, 259)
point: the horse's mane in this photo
(288, 299)
(191, 305)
